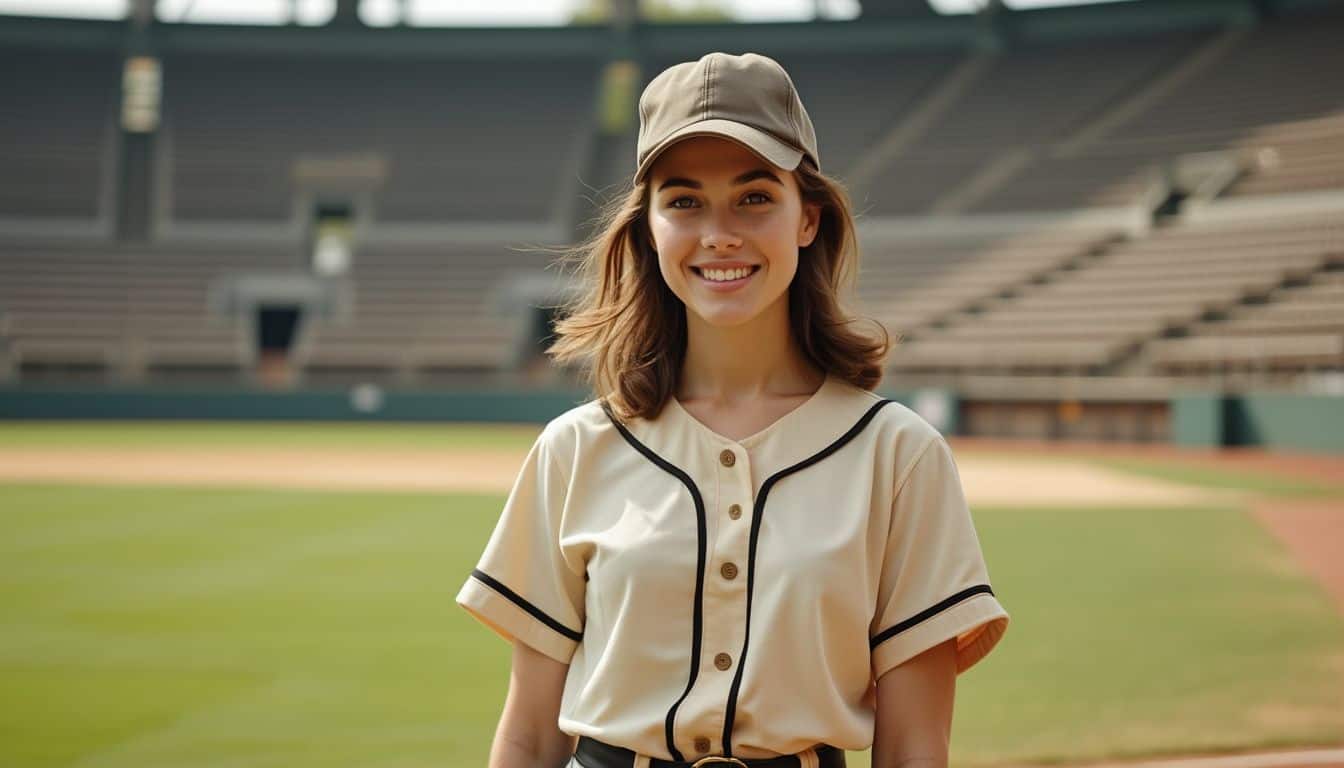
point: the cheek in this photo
(670, 270)
(666, 235)
(781, 240)
(671, 243)
(784, 268)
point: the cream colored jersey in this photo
(736, 597)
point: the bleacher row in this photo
(1045, 126)
(1186, 298)
(235, 126)
(1192, 282)
(141, 311)
(1034, 128)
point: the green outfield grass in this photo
(147, 627)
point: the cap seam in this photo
(713, 83)
(788, 97)
(709, 72)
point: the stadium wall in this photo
(357, 403)
(1274, 421)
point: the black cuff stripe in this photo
(526, 606)
(928, 613)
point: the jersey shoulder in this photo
(893, 420)
(575, 427)
(900, 435)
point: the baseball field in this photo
(194, 594)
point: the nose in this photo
(718, 235)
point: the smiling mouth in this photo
(726, 276)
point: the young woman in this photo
(738, 553)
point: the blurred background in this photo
(1090, 205)
(277, 277)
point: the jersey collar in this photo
(806, 430)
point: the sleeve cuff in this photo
(511, 621)
(978, 624)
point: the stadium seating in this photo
(1296, 325)
(142, 310)
(421, 309)
(842, 91)
(1290, 158)
(1026, 136)
(1090, 316)
(463, 141)
(58, 131)
(1276, 88)
(1023, 101)
(1274, 92)
(909, 285)
(115, 308)
(1283, 71)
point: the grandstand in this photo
(1093, 314)
(1121, 200)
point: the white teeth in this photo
(720, 275)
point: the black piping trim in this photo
(697, 623)
(928, 613)
(751, 555)
(518, 600)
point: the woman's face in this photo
(727, 227)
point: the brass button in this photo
(701, 744)
(729, 571)
(723, 661)
(735, 511)
(726, 458)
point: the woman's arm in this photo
(528, 736)
(914, 710)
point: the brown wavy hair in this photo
(627, 329)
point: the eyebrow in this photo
(752, 175)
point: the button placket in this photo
(732, 533)
(728, 569)
(724, 599)
(731, 545)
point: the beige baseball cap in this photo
(748, 98)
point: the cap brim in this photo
(767, 147)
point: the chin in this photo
(728, 318)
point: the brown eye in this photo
(764, 197)
(673, 204)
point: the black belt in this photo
(592, 753)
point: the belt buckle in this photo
(718, 759)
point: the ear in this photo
(810, 224)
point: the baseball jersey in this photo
(736, 597)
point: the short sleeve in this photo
(523, 587)
(934, 584)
